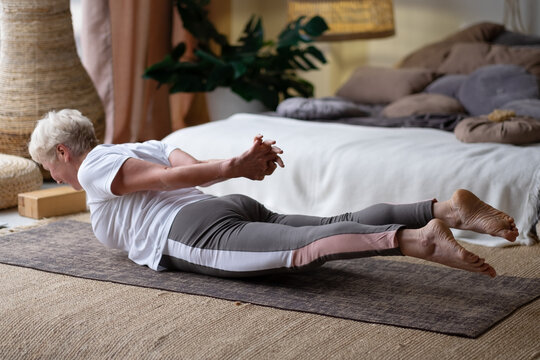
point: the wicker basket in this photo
(17, 175)
(348, 19)
(40, 71)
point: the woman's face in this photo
(63, 173)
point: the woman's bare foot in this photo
(435, 242)
(467, 212)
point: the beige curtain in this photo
(186, 108)
(94, 40)
(119, 39)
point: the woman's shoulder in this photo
(149, 144)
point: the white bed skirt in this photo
(335, 168)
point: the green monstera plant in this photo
(254, 68)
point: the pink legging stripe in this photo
(342, 244)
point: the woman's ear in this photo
(62, 152)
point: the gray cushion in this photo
(419, 104)
(492, 86)
(511, 38)
(524, 107)
(447, 85)
(323, 108)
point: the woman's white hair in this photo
(68, 127)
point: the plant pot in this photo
(223, 102)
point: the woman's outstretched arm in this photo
(186, 171)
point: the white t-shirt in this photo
(138, 222)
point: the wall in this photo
(418, 22)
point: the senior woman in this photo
(144, 199)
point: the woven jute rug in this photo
(371, 290)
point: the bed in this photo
(363, 147)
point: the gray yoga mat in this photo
(373, 290)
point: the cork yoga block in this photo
(62, 200)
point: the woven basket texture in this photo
(17, 175)
(40, 71)
(348, 19)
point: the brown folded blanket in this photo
(517, 130)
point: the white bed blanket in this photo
(335, 168)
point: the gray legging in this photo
(234, 236)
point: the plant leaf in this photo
(315, 26)
(239, 69)
(306, 61)
(250, 90)
(206, 56)
(296, 64)
(252, 38)
(316, 53)
(220, 76)
(160, 71)
(188, 83)
(178, 51)
(301, 86)
(195, 20)
(290, 36)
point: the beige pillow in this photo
(431, 56)
(464, 58)
(420, 104)
(518, 130)
(379, 85)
